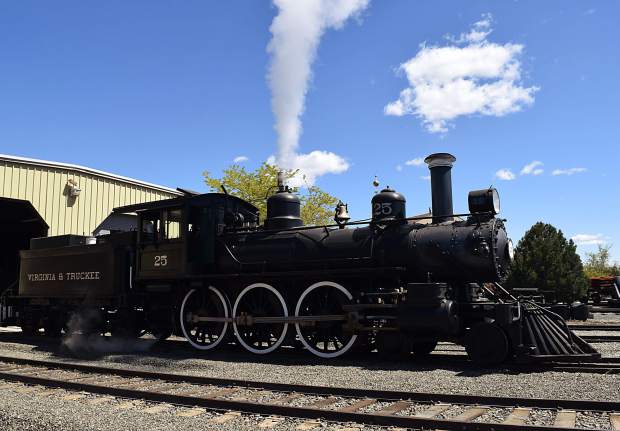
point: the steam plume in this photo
(296, 33)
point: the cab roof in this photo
(203, 200)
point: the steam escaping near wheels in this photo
(83, 337)
(199, 305)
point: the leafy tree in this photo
(545, 260)
(317, 206)
(598, 263)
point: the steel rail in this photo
(595, 327)
(601, 338)
(599, 366)
(387, 395)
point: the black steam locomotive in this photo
(202, 267)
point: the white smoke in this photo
(296, 33)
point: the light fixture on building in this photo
(74, 188)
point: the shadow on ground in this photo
(148, 351)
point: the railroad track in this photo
(362, 406)
(601, 338)
(599, 366)
(593, 327)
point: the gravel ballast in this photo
(19, 411)
(367, 371)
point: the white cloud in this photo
(399, 168)
(588, 239)
(425, 177)
(569, 171)
(418, 161)
(478, 33)
(505, 175)
(446, 82)
(590, 12)
(313, 165)
(296, 33)
(240, 159)
(534, 168)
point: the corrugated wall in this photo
(45, 188)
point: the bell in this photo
(342, 215)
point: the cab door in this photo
(161, 244)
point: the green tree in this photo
(598, 263)
(545, 260)
(317, 206)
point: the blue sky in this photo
(162, 91)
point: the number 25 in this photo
(161, 260)
(383, 208)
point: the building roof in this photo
(85, 170)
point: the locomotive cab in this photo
(177, 237)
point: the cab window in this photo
(172, 223)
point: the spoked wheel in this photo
(327, 338)
(256, 301)
(204, 317)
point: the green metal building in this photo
(39, 197)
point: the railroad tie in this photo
(25, 389)
(99, 380)
(324, 402)
(190, 413)
(518, 416)
(358, 405)
(223, 418)
(23, 371)
(221, 392)
(152, 386)
(394, 408)
(47, 392)
(470, 414)
(74, 397)
(127, 405)
(565, 419)
(270, 422)
(158, 408)
(614, 419)
(288, 398)
(307, 426)
(130, 384)
(191, 392)
(433, 411)
(100, 400)
(88, 379)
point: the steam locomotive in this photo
(202, 266)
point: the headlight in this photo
(510, 251)
(483, 201)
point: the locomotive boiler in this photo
(202, 266)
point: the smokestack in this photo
(440, 165)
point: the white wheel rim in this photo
(316, 352)
(282, 336)
(182, 318)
